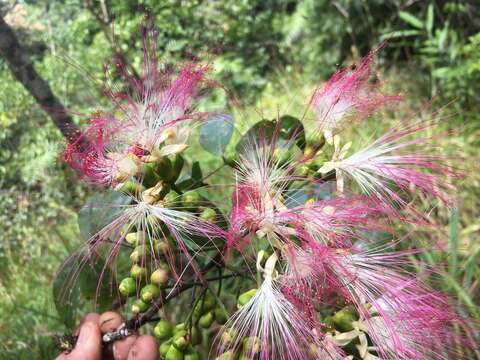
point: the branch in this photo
(22, 68)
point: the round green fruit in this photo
(190, 199)
(208, 214)
(191, 356)
(138, 272)
(159, 277)
(164, 347)
(206, 320)
(246, 297)
(139, 306)
(174, 354)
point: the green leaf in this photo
(93, 215)
(216, 132)
(411, 19)
(400, 34)
(192, 179)
(430, 19)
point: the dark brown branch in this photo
(22, 68)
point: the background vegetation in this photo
(270, 54)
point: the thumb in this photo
(89, 343)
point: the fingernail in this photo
(85, 332)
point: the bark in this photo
(20, 64)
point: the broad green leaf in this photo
(411, 19)
(216, 132)
(99, 210)
(191, 179)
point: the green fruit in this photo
(220, 316)
(149, 292)
(127, 287)
(190, 199)
(139, 306)
(174, 354)
(191, 356)
(343, 319)
(246, 297)
(171, 200)
(229, 355)
(208, 214)
(138, 254)
(206, 320)
(164, 347)
(180, 340)
(138, 272)
(163, 330)
(159, 277)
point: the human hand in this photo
(89, 343)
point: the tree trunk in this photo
(22, 68)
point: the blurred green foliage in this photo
(253, 44)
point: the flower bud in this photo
(208, 214)
(228, 336)
(229, 355)
(206, 320)
(163, 330)
(159, 277)
(220, 316)
(139, 306)
(171, 200)
(138, 254)
(180, 340)
(343, 319)
(134, 238)
(174, 354)
(127, 287)
(131, 187)
(190, 199)
(164, 347)
(162, 247)
(138, 272)
(251, 345)
(191, 356)
(179, 327)
(149, 292)
(245, 297)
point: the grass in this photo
(27, 315)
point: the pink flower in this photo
(380, 165)
(349, 95)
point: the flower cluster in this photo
(325, 289)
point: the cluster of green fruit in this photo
(178, 342)
(250, 346)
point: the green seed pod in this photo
(179, 327)
(138, 272)
(229, 355)
(206, 320)
(190, 199)
(163, 330)
(180, 340)
(174, 354)
(139, 306)
(171, 200)
(195, 336)
(251, 345)
(164, 347)
(220, 316)
(159, 277)
(191, 356)
(139, 253)
(177, 165)
(149, 176)
(208, 214)
(343, 319)
(149, 292)
(127, 287)
(246, 297)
